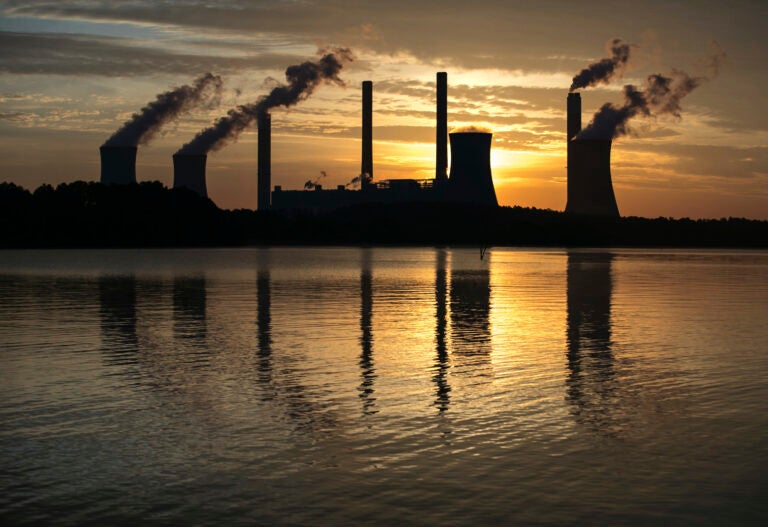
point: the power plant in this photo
(590, 190)
(470, 179)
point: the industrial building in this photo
(470, 179)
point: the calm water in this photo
(330, 386)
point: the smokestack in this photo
(189, 172)
(590, 191)
(264, 184)
(118, 165)
(441, 143)
(470, 178)
(574, 115)
(366, 167)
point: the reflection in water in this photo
(264, 323)
(368, 373)
(471, 312)
(442, 363)
(590, 359)
(279, 374)
(117, 301)
(189, 302)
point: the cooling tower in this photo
(590, 190)
(189, 172)
(470, 179)
(264, 183)
(366, 167)
(441, 142)
(118, 165)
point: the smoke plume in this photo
(661, 95)
(302, 81)
(310, 184)
(353, 183)
(144, 125)
(471, 129)
(603, 70)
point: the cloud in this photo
(66, 54)
(706, 161)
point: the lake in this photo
(383, 386)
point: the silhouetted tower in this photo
(366, 167)
(471, 180)
(189, 172)
(574, 115)
(590, 191)
(441, 142)
(118, 165)
(264, 184)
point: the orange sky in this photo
(71, 73)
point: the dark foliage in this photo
(84, 214)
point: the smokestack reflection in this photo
(590, 380)
(367, 370)
(442, 364)
(264, 323)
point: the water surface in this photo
(327, 386)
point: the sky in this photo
(72, 72)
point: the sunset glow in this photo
(72, 73)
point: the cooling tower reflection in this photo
(591, 380)
(471, 313)
(117, 310)
(189, 307)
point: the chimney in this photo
(264, 183)
(574, 115)
(189, 172)
(366, 166)
(441, 143)
(590, 191)
(118, 165)
(470, 179)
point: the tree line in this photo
(147, 214)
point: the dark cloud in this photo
(12, 116)
(504, 34)
(59, 54)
